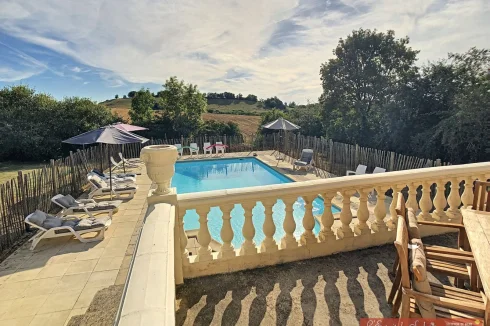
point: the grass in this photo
(9, 170)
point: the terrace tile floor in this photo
(61, 276)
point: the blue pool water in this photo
(217, 174)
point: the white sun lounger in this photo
(305, 161)
(378, 170)
(361, 169)
(54, 227)
(119, 166)
(194, 149)
(207, 148)
(126, 181)
(71, 206)
(180, 150)
(101, 188)
(130, 160)
(220, 148)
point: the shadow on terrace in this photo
(334, 290)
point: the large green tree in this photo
(182, 106)
(361, 80)
(142, 104)
(33, 125)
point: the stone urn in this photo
(160, 165)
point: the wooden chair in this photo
(449, 302)
(440, 260)
(481, 195)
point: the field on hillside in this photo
(248, 124)
(224, 106)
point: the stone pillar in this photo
(160, 166)
(289, 225)
(425, 203)
(327, 219)
(308, 237)
(362, 213)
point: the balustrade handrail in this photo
(208, 198)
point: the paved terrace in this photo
(334, 290)
(60, 278)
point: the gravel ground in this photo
(334, 290)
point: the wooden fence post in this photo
(356, 156)
(53, 176)
(330, 154)
(25, 209)
(438, 162)
(392, 162)
(72, 170)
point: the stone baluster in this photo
(380, 210)
(440, 202)
(327, 219)
(425, 202)
(183, 237)
(203, 236)
(346, 216)
(226, 233)
(362, 213)
(454, 200)
(269, 244)
(467, 197)
(248, 231)
(412, 197)
(392, 223)
(289, 225)
(308, 236)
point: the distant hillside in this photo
(221, 105)
(248, 124)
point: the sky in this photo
(97, 49)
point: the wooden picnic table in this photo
(477, 227)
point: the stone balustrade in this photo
(433, 192)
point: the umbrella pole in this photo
(110, 170)
(122, 150)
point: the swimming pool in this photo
(218, 174)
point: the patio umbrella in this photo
(128, 128)
(281, 124)
(106, 135)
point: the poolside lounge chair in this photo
(361, 169)
(207, 148)
(129, 181)
(194, 149)
(130, 160)
(379, 170)
(70, 205)
(101, 188)
(220, 147)
(180, 150)
(129, 177)
(119, 166)
(54, 227)
(305, 161)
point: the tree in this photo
(182, 105)
(124, 96)
(308, 117)
(131, 94)
(141, 111)
(251, 97)
(361, 80)
(37, 123)
(274, 103)
(292, 104)
(270, 116)
(116, 96)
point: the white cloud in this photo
(17, 65)
(86, 82)
(225, 45)
(76, 69)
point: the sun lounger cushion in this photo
(52, 222)
(300, 163)
(119, 189)
(37, 218)
(71, 201)
(90, 223)
(421, 283)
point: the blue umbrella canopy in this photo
(106, 135)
